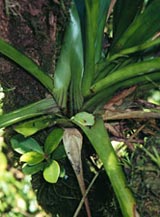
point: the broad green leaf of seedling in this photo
(52, 172)
(84, 118)
(32, 157)
(22, 145)
(30, 170)
(53, 140)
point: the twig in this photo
(116, 115)
(85, 195)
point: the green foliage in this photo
(84, 118)
(31, 127)
(33, 169)
(143, 176)
(16, 195)
(84, 79)
(26, 63)
(35, 159)
(111, 165)
(52, 172)
(53, 140)
(32, 157)
(39, 108)
(69, 69)
(23, 145)
(136, 34)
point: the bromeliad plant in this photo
(87, 76)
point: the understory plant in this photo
(108, 46)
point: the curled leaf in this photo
(72, 140)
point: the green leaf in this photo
(127, 73)
(97, 101)
(100, 140)
(70, 65)
(136, 33)
(26, 63)
(76, 62)
(30, 170)
(93, 16)
(123, 15)
(51, 172)
(44, 106)
(102, 14)
(135, 49)
(3, 165)
(91, 21)
(53, 140)
(59, 153)
(31, 127)
(22, 145)
(84, 118)
(62, 173)
(32, 157)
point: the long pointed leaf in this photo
(101, 143)
(92, 9)
(128, 72)
(123, 15)
(76, 62)
(98, 101)
(138, 48)
(142, 29)
(103, 8)
(70, 64)
(45, 106)
(26, 63)
(31, 127)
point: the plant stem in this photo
(85, 195)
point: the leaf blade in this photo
(30, 170)
(29, 128)
(127, 73)
(53, 140)
(99, 139)
(69, 68)
(23, 145)
(32, 157)
(51, 172)
(136, 33)
(41, 107)
(26, 63)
